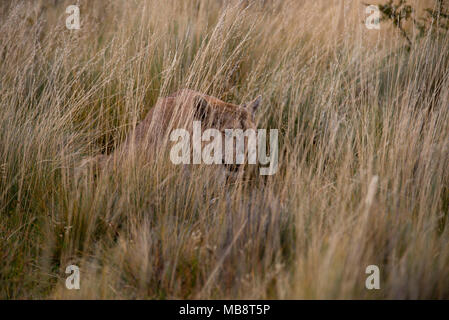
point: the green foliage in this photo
(399, 12)
(438, 15)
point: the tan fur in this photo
(177, 111)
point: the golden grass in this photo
(351, 105)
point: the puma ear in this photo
(201, 108)
(253, 105)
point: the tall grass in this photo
(364, 153)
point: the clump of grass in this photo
(364, 147)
